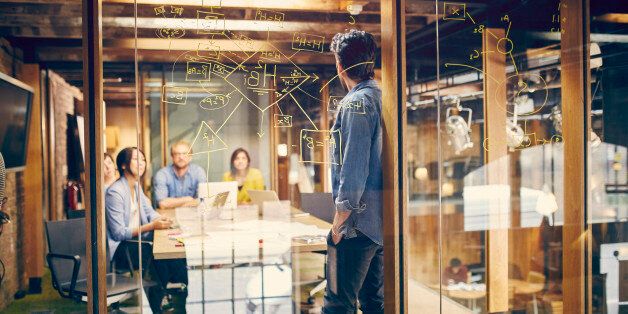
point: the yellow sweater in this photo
(254, 181)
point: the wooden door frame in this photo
(393, 50)
(576, 111)
(94, 198)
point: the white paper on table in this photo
(234, 246)
(285, 229)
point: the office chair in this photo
(319, 205)
(66, 260)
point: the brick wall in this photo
(62, 101)
(10, 58)
(10, 243)
(10, 240)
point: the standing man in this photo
(177, 184)
(355, 252)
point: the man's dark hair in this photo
(355, 47)
(455, 262)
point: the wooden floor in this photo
(424, 300)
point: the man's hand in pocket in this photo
(339, 218)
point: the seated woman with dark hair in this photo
(248, 178)
(127, 219)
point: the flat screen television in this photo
(15, 105)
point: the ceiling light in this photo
(447, 189)
(354, 9)
(282, 150)
(458, 129)
(420, 173)
(557, 119)
(514, 135)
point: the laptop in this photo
(269, 205)
(258, 197)
(224, 194)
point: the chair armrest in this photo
(128, 254)
(75, 269)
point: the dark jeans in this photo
(159, 271)
(355, 271)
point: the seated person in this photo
(248, 178)
(109, 170)
(126, 220)
(176, 185)
(455, 272)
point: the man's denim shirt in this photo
(166, 183)
(357, 180)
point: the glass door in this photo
(514, 158)
(233, 131)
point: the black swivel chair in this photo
(68, 267)
(319, 205)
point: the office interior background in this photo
(504, 147)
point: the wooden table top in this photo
(164, 247)
(520, 287)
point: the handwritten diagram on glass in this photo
(315, 143)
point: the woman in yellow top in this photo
(248, 178)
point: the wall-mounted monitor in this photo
(15, 105)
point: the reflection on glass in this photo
(248, 224)
(493, 59)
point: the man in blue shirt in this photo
(176, 185)
(355, 252)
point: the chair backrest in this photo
(320, 205)
(67, 237)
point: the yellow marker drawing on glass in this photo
(308, 42)
(454, 11)
(282, 121)
(206, 141)
(315, 143)
(175, 95)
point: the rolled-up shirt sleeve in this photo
(160, 186)
(355, 134)
(114, 213)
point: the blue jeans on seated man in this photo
(355, 271)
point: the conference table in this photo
(474, 292)
(240, 238)
(167, 244)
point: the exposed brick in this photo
(10, 243)
(10, 240)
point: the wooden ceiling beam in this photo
(300, 5)
(67, 8)
(190, 25)
(116, 55)
(35, 36)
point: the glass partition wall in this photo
(234, 121)
(516, 154)
(516, 159)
